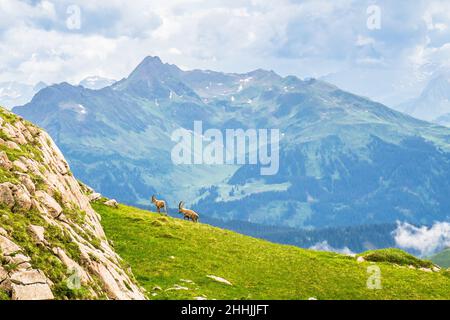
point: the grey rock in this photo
(4, 161)
(7, 247)
(6, 194)
(219, 279)
(22, 198)
(112, 203)
(49, 203)
(37, 291)
(37, 232)
(3, 232)
(94, 196)
(27, 182)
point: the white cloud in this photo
(175, 51)
(115, 37)
(363, 41)
(425, 240)
(437, 15)
(307, 38)
(324, 246)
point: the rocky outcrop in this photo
(52, 245)
(112, 203)
(94, 196)
(6, 195)
(30, 285)
(4, 161)
(37, 233)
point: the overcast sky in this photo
(390, 53)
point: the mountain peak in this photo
(154, 79)
(39, 86)
(153, 67)
(262, 73)
(152, 60)
(438, 86)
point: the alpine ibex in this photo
(188, 214)
(159, 204)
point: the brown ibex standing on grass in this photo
(159, 204)
(188, 214)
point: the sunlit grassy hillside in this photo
(173, 258)
(442, 258)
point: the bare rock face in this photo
(48, 209)
(30, 285)
(72, 265)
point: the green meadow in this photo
(172, 259)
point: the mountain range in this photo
(433, 104)
(59, 239)
(344, 160)
(16, 93)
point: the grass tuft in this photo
(396, 256)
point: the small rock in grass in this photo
(186, 280)
(219, 279)
(94, 196)
(200, 298)
(177, 287)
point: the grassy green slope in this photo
(442, 258)
(163, 252)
